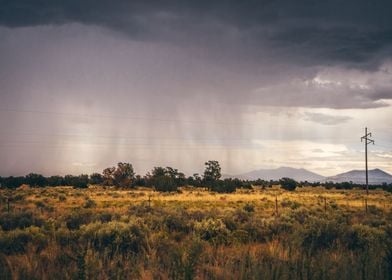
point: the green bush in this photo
(164, 183)
(257, 230)
(76, 219)
(249, 207)
(169, 256)
(10, 221)
(90, 203)
(16, 241)
(363, 237)
(320, 234)
(116, 237)
(213, 230)
(288, 184)
(176, 223)
(65, 237)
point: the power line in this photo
(67, 114)
(154, 137)
(382, 146)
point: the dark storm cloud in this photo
(263, 52)
(312, 32)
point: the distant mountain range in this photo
(278, 173)
(376, 176)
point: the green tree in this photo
(166, 179)
(212, 173)
(35, 180)
(108, 177)
(80, 181)
(55, 181)
(124, 175)
(288, 184)
(96, 179)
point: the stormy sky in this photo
(253, 84)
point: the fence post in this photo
(366, 205)
(325, 204)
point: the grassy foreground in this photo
(104, 233)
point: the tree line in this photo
(166, 179)
(163, 179)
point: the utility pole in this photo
(367, 140)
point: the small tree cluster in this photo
(121, 176)
(166, 179)
(38, 180)
(211, 179)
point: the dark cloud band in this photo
(315, 31)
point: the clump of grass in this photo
(249, 207)
(90, 203)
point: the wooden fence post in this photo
(325, 204)
(366, 205)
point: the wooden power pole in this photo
(367, 140)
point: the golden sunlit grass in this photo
(196, 198)
(109, 233)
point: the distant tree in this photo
(55, 181)
(158, 171)
(170, 171)
(68, 180)
(181, 179)
(108, 176)
(124, 175)
(13, 182)
(225, 186)
(35, 180)
(212, 170)
(166, 179)
(288, 184)
(178, 177)
(80, 181)
(212, 173)
(344, 185)
(96, 179)
(139, 181)
(197, 180)
(190, 181)
(164, 183)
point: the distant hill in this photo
(278, 173)
(376, 176)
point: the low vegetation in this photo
(110, 233)
(118, 225)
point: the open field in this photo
(107, 233)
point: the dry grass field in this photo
(108, 233)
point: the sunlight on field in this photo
(104, 232)
(266, 198)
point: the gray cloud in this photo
(326, 119)
(333, 87)
(179, 82)
(354, 32)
